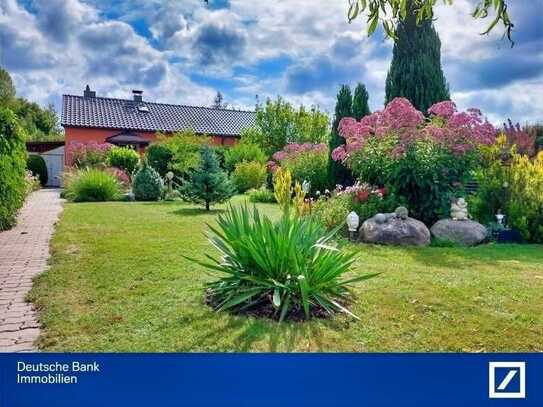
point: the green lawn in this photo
(118, 282)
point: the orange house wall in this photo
(87, 135)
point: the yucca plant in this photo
(289, 264)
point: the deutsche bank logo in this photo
(507, 380)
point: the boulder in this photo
(394, 231)
(464, 232)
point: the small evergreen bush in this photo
(249, 174)
(147, 185)
(208, 184)
(92, 185)
(12, 168)
(124, 158)
(36, 164)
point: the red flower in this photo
(362, 196)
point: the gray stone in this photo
(395, 231)
(464, 232)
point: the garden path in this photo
(24, 251)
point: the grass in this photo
(118, 282)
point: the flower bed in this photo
(423, 160)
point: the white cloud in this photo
(96, 43)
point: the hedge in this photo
(12, 168)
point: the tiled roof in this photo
(98, 112)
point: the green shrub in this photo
(36, 164)
(159, 156)
(92, 185)
(262, 195)
(332, 212)
(514, 186)
(124, 158)
(306, 162)
(12, 168)
(242, 152)
(289, 266)
(428, 177)
(249, 175)
(147, 184)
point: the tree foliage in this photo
(415, 72)
(360, 102)
(389, 12)
(38, 123)
(185, 147)
(7, 89)
(218, 101)
(279, 123)
(337, 172)
(208, 184)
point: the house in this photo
(135, 122)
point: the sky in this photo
(184, 51)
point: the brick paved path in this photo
(23, 254)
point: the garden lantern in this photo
(500, 217)
(353, 221)
(169, 179)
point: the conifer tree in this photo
(360, 102)
(415, 72)
(337, 172)
(208, 184)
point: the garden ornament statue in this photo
(500, 217)
(306, 186)
(459, 209)
(353, 221)
(401, 212)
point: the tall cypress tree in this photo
(337, 173)
(360, 102)
(415, 72)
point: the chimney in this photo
(88, 93)
(138, 95)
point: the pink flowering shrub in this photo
(121, 175)
(457, 132)
(90, 154)
(306, 162)
(424, 160)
